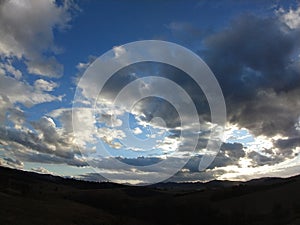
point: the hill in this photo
(30, 198)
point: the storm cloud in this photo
(256, 64)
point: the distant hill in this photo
(31, 198)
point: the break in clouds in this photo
(254, 58)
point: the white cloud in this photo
(41, 170)
(9, 68)
(290, 17)
(169, 144)
(119, 51)
(47, 129)
(137, 130)
(82, 66)
(110, 136)
(14, 90)
(17, 117)
(44, 85)
(4, 105)
(19, 91)
(45, 67)
(26, 32)
(83, 121)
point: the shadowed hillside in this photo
(30, 198)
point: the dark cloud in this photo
(260, 160)
(157, 107)
(286, 146)
(96, 177)
(229, 154)
(189, 176)
(234, 150)
(187, 34)
(255, 61)
(32, 156)
(254, 64)
(189, 173)
(140, 161)
(144, 69)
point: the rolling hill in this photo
(30, 198)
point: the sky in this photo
(54, 119)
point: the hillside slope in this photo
(29, 198)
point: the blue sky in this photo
(251, 47)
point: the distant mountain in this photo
(31, 198)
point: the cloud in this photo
(289, 143)
(87, 133)
(233, 150)
(110, 136)
(14, 95)
(44, 85)
(96, 177)
(45, 67)
(5, 104)
(260, 160)
(41, 170)
(83, 121)
(110, 120)
(137, 130)
(82, 66)
(253, 59)
(229, 154)
(145, 112)
(22, 92)
(119, 51)
(191, 31)
(153, 112)
(254, 64)
(26, 32)
(139, 174)
(186, 175)
(27, 36)
(45, 144)
(12, 163)
(41, 142)
(14, 92)
(7, 67)
(290, 17)
(187, 34)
